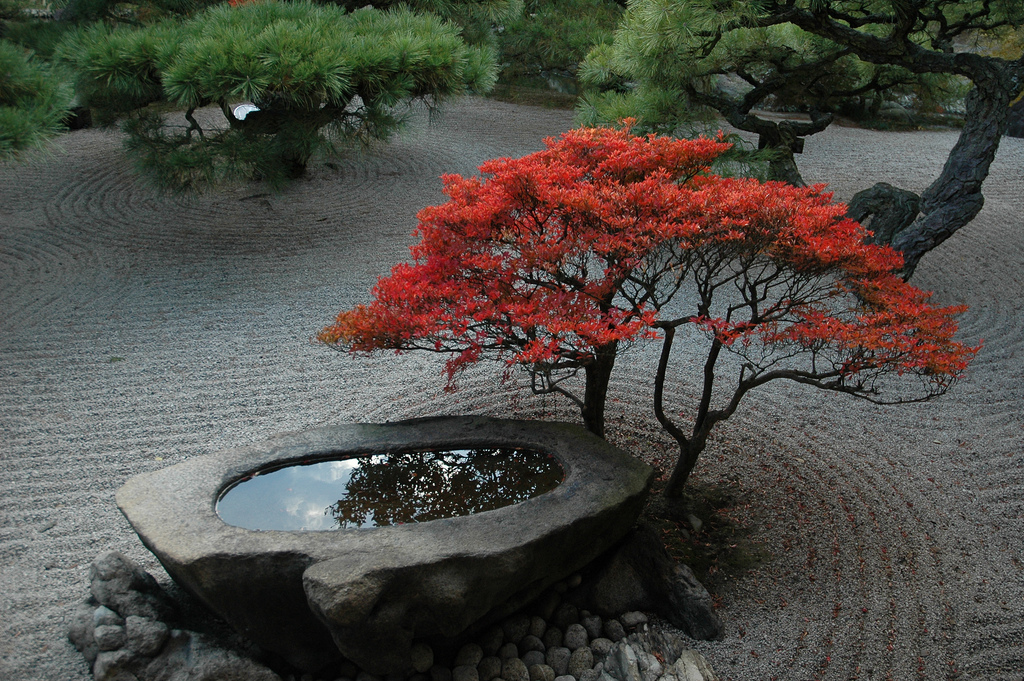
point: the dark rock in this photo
(538, 625)
(469, 654)
(558, 659)
(105, 616)
(80, 632)
(513, 669)
(631, 620)
(546, 604)
(593, 675)
(508, 650)
(119, 584)
(422, 658)
(565, 677)
(614, 630)
(575, 637)
(491, 639)
(117, 665)
(640, 575)
(465, 672)
(541, 672)
(593, 625)
(145, 636)
(601, 647)
(531, 642)
(188, 656)
(110, 637)
(489, 668)
(439, 673)
(580, 660)
(533, 657)
(515, 628)
(565, 615)
(373, 592)
(552, 638)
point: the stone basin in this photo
(372, 594)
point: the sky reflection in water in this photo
(388, 489)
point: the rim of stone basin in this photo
(303, 594)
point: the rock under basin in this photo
(372, 593)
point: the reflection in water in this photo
(388, 489)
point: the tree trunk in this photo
(885, 210)
(955, 198)
(598, 374)
(689, 452)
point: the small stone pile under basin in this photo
(373, 593)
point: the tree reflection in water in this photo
(407, 487)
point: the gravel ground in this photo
(137, 331)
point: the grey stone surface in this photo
(580, 660)
(565, 614)
(145, 636)
(558, 659)
(590, 675)
(593, 625)
(575, 637)
(110, 637)
(515, 628)
(190, 657)
(513, 669)
(552, 637)
(538, 625)
(469, 654)
(640, 575)
(531, 642)
(491, 640)
(440, 673)
(533, 657)
(373, 592)
(541, 672)
(508, 650)
(601, 646)
(465, 672)
(614, 630)
(489, 668)
(80, 631)
(632, 619)
(120, 585)
(421, 657)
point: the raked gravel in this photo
(138, 330)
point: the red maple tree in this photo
(557, 260)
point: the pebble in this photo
(507, 651)
(581, 660)
(533, 657)
(538, 625)
(631, 620)
(601, 646)
(613, 630)
(145, 636)
(110, 637)
(552, 637)
(590, 675)
(541, 672)
(465, 672)
(558, 659)
(593, 624)
(513, 669)
(469, 654)
(489, 668)
(565, 615)
(531, 642)
(422, 657)
(490, 641)
(439, 673)
(515, 628)
(575, 637)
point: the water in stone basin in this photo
(388, 489)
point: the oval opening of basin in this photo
(394, 488)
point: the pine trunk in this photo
(598, 375)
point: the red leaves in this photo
(552, 257)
